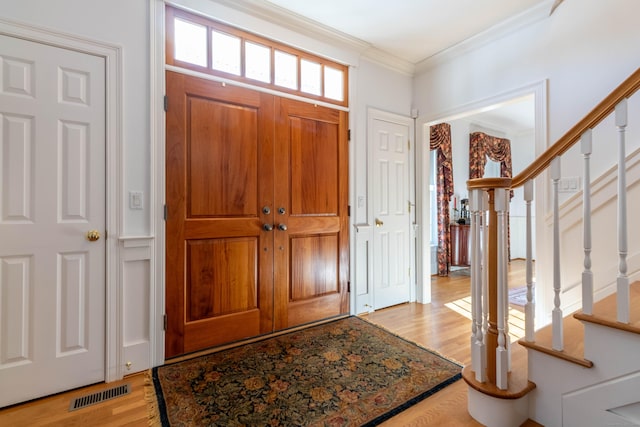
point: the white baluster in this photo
(478, 354)
(485, 265)
(623, 279)
(505, 275)
(587, 274)
(556, 318)
(502, 359)
(529, 308)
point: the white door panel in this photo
(52, 192)
(392, 220)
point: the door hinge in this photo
(409, 206)
(348, 210)
(409, 144)
(166, 103)
(349, 135)
(164, 322)
(165, 212)
(349, 286)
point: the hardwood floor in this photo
(440, 326)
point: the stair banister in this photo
(590, 121)
(623, 279)
(478, 353)
(556, 315)
(529, 308)
(501, 206)
(586, 147)
(489, 274)
(494, 336)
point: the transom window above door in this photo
(207, 46)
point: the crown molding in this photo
(503, 29)
(270, 12)
(390, 61)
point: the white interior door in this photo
(52, 192)
(391, 190)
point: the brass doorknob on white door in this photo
(93, 235)
(379, 223)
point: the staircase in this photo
(583, 369)
(595, 381)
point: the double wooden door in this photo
(257, 222)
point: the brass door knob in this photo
(379, 223)
(93, 235)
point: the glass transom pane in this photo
(190, 42)
(333, 83)
(225, 53)
(286, 70)
(310, 77)
(257, 62)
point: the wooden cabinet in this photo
(460, 244)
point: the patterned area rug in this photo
(518, 296)
(344, 373)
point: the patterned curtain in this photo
(497, 149)
(441, 141)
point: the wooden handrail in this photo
(602, 110)
(488, 183)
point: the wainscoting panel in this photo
(136, 275)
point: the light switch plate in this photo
(135, 200)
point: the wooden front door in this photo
(311, 189)
(246, 253)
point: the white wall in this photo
(585, 49)
(124, 23)
(394, 96)
(127, 24)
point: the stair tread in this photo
(518, 383)
(573, 343)
(605, 311)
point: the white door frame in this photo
(423, 123)
(113, 139)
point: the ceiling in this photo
(415, 30)
(516, 116)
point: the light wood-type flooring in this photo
(441, 326)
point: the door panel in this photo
(314, 170)
(314, 269)
(219, 176)
(52, 192)
(311, 184)
(222, 177)
(391, 247)
(231, 265)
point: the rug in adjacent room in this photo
(348, 372)
(518, 296)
